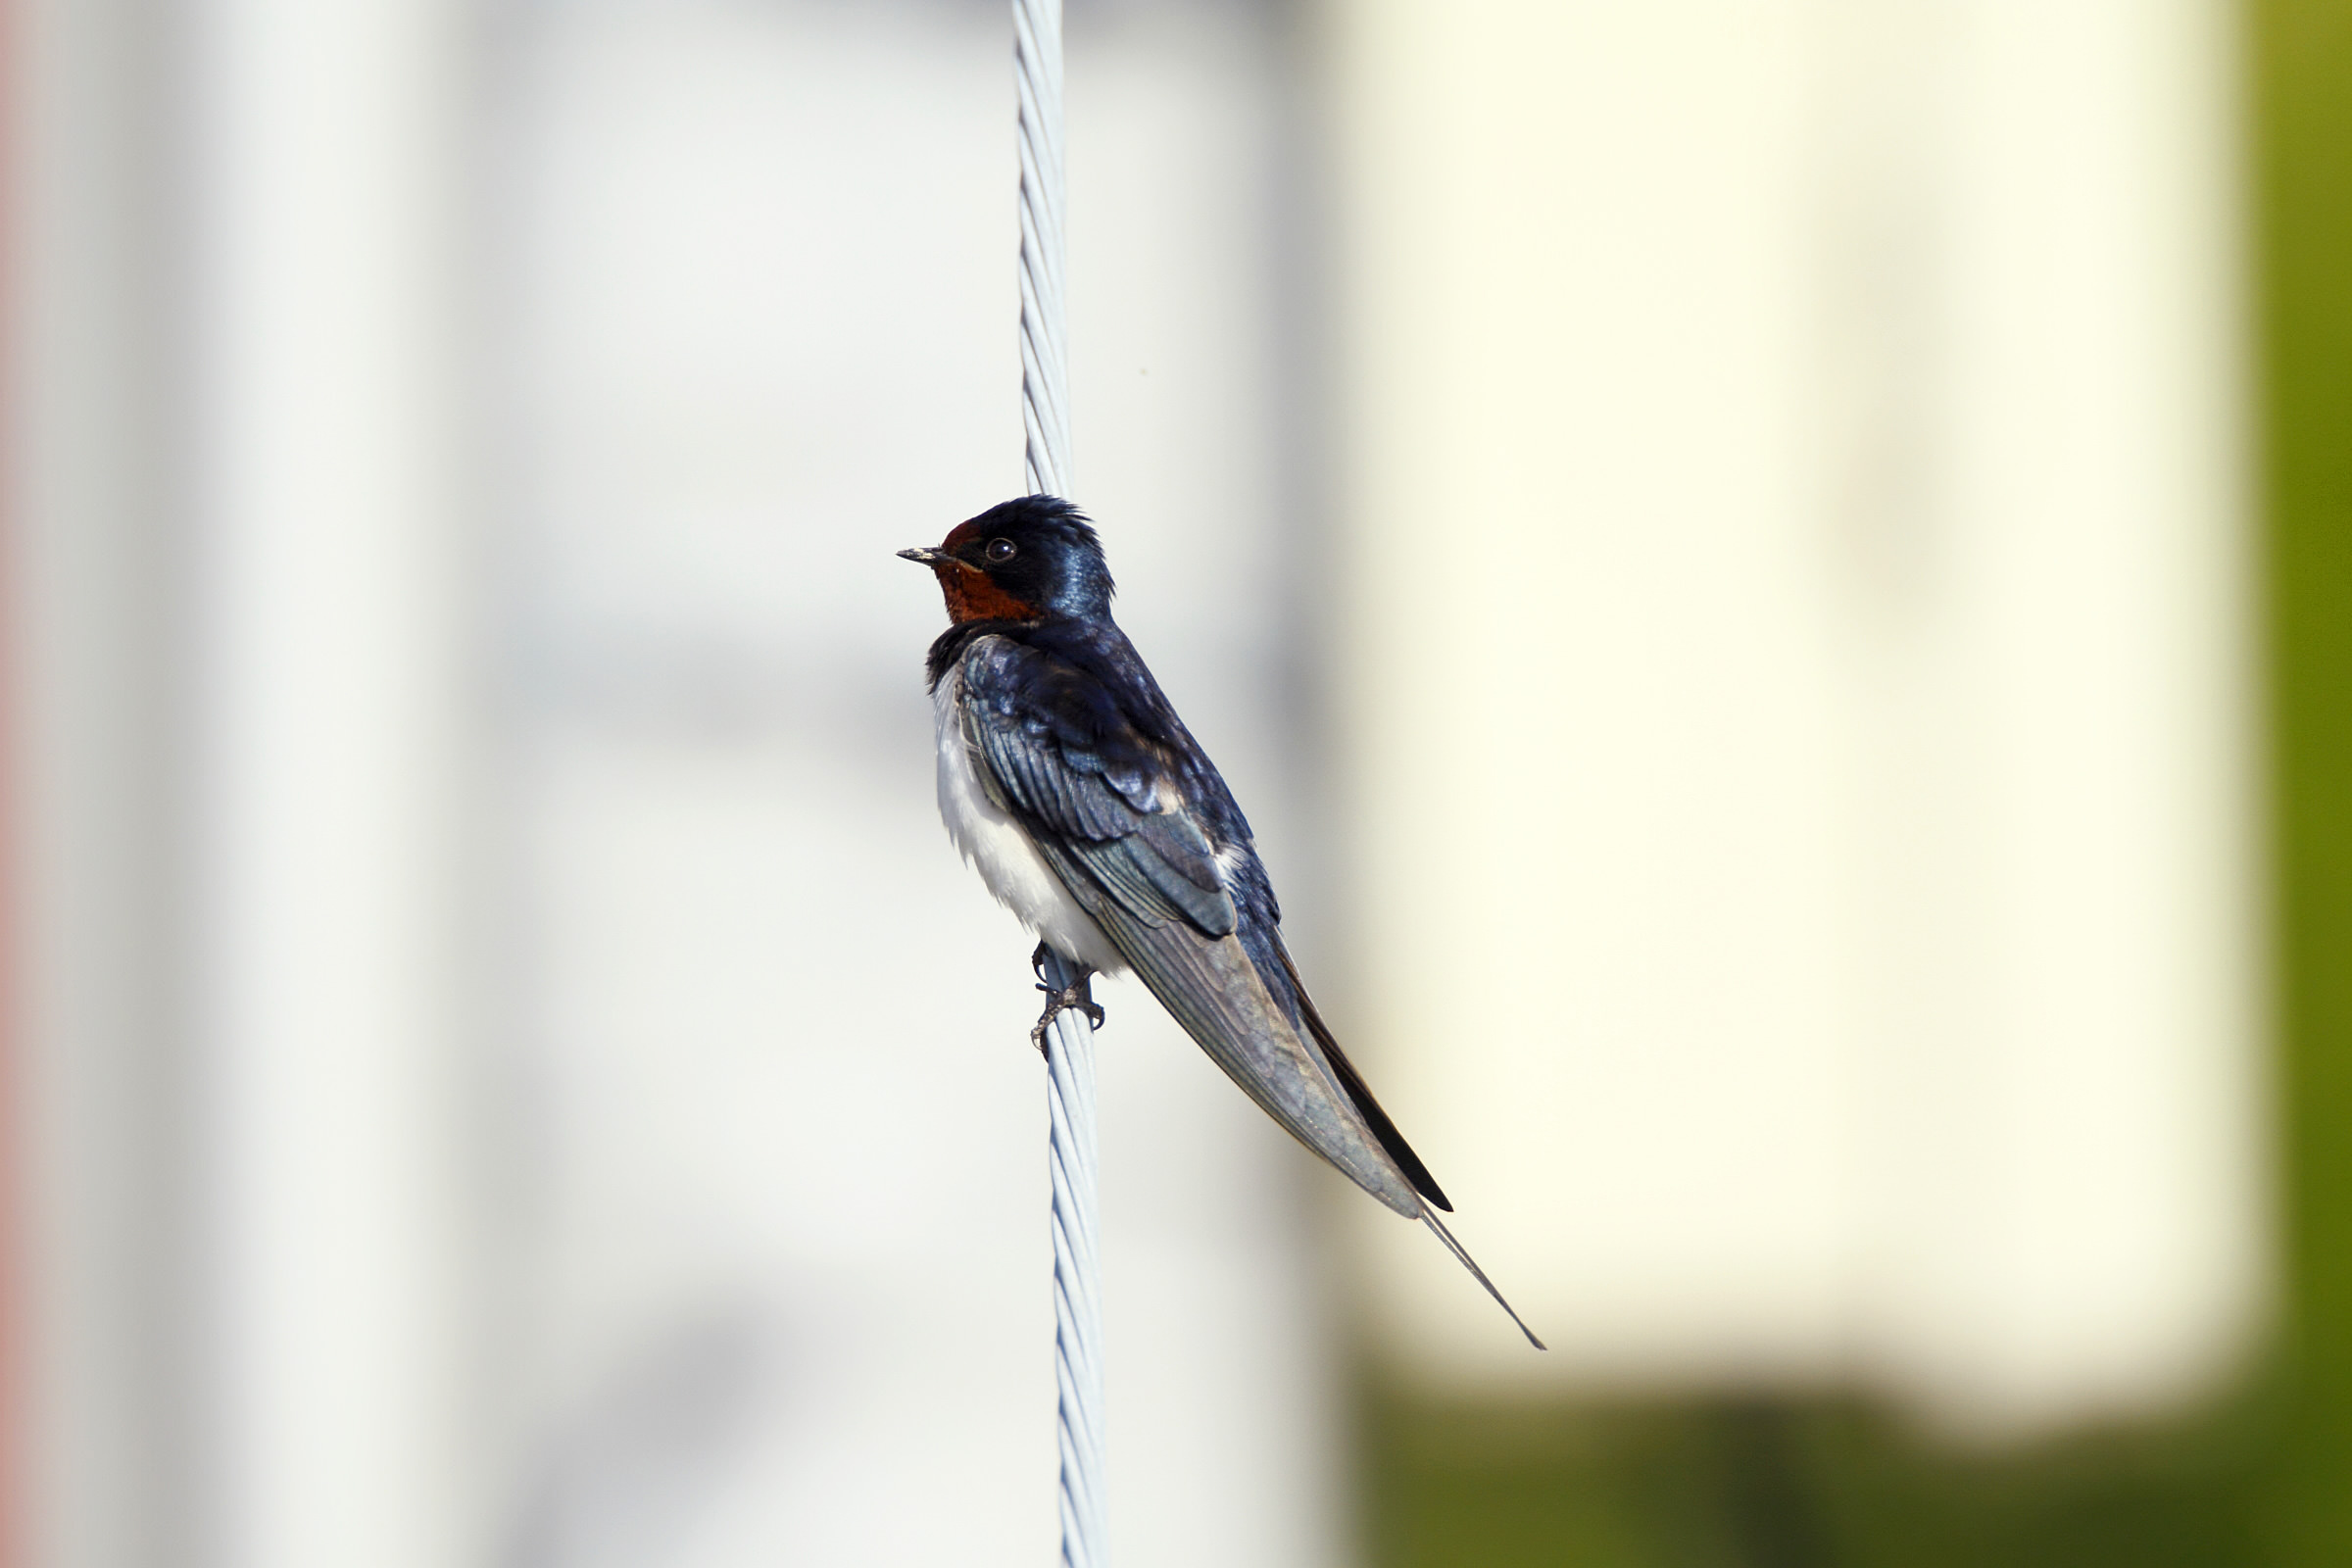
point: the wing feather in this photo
(1102, 794)
(1109, 816)
(1209, 985)
(1107, 810)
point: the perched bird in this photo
(1091, 811)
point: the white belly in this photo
(995, 845)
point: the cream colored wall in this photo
(1795, 708)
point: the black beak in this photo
(925, 558)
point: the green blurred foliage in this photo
(2302, 112)
(2265, 1478)
(1771, 1484)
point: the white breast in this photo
(998, 847)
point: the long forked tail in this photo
(1438, 1228)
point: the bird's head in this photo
(1034, 559)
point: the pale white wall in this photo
(326, 571)
(784, 1282)
(235, 598)
(1795, 690)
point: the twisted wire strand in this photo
(1077, 1278)
(1071, 1057)
(1044, 353)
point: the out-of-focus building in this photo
(1707, 536)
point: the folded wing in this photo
(1110, 814)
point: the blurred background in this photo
(1775, 575)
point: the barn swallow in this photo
(1066, 778)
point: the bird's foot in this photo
(1079, 997)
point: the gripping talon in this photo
(1072, 999)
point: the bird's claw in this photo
(1072, 999)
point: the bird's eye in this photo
(1001, 550)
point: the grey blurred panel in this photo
(95, 622)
